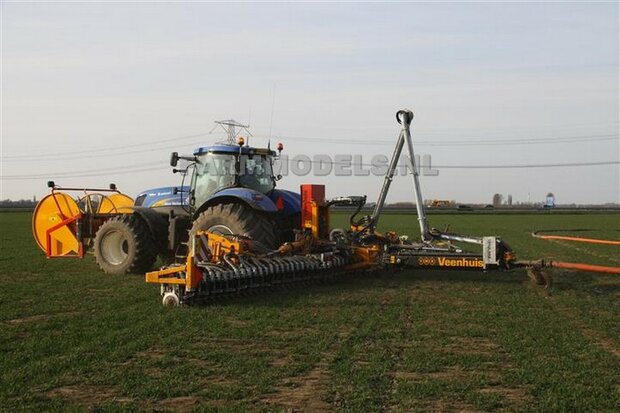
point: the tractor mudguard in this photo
(291, 201)
(157, 223)
(250, 197)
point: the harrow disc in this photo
(51, 211)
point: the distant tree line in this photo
(22, 203)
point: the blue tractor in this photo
(232, 190)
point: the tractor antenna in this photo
(232, 129)
(273, 104)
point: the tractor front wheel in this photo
(124, 244)
(238, 219)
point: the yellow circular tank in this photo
(115, 203)
(51, 211)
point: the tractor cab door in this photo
(213, 171)
(256, 173)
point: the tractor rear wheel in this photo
(238, 219)
(124, 244)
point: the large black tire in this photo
(124, 244)
(238, 219)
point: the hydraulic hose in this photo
(536, 234)
(577, 265)
(584, 267)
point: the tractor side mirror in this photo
(174, 159)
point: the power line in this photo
(97, 155)
(145, 145)
(85, 175)
(549, 165)
(472, 142)
(90, 172)
(508, 166)
(149, 146)
(148, 167)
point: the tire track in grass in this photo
(311, 390)
(400, 344)
(455, 363)
(595, 336)
(562, 371)
(362, 364)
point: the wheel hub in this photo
(114, 247)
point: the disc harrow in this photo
(253, 273)
(228, 265)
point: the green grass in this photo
(72, 338)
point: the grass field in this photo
(72, 338)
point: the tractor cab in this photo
(232, 191)
(219, 167)
(227, 172)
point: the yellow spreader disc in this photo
(51, 211)
(115, 203)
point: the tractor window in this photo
(213, 172)
(256, 173)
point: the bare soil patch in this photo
(303, 393)
(177, 404)
(86, 395)
(512, 395)
(470, 345)
(235, 322)
(299, 332)
(29, 319)
(237, 345)
(452, 373)
(451, 406)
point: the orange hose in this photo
(578, 239)
(585, 267)
(575, 265)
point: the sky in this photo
(94, 93)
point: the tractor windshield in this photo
(213, 171)
(256, 173)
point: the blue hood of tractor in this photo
(164, 196)
(280, 200)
